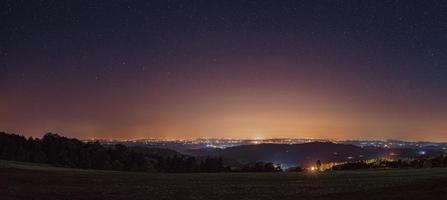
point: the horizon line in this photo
(227, 138)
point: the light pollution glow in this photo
(175, 69)
(246, 104)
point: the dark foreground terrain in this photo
(29, 181)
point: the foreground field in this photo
(26, 181)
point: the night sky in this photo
(242, 69)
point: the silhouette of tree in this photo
(61, 151)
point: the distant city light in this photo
(223, 143)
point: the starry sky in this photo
(244, 69)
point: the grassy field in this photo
(29, 181)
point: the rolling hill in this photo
(291, 154)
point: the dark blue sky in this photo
(124, 69)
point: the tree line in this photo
(420, 162)
(61, 151)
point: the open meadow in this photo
(31, 181)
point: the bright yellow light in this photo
(313, 168)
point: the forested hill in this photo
(61, 151)
(295, 154)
